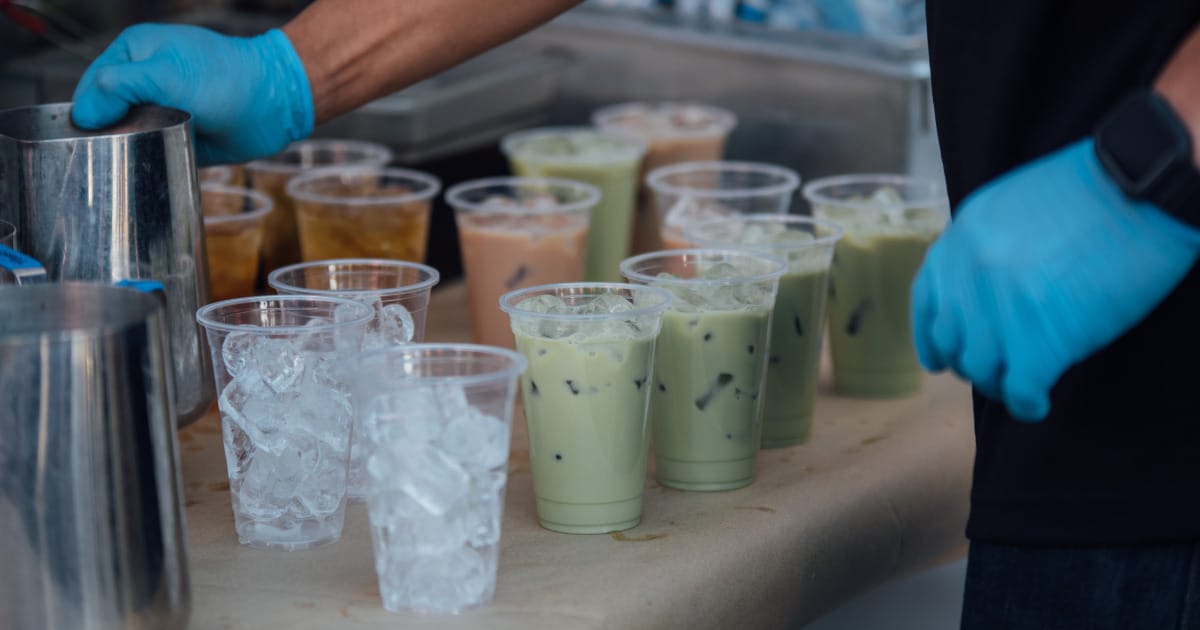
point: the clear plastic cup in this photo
(281, 245)
(437, 419)
(590, 348)
(608, 160)
(707, 403)
(703, 191)
(363, 212)
(285, 413)
(889, 223)
(518, 232)
(216, 175)
(396, 291)
(233, 234)
(676, 132)
(798, 323)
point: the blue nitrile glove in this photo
(1041, 268)
(248, 96)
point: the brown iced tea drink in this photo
(233, 233)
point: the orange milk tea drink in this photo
(518, 232)
(675, 133)
(233, 232)
(281, 245)
(705, 191)
(363, 212)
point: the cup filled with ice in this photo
(286, 414)
(798, 322)
(233, 235)
(397, 293)
(363, 212)
(704, 191)
(518, 232)
(591, 349)
(436, 420)
(708, 383)
(608, 160)
(889, 223)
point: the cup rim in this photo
(591, 195)
(780, 266)
(432, 186)
(509, 301)
(205, 315)
(275, 282)
(375, 155)
(835, 232)
(814, 191)
(226, 174)
(791, 179)
(517, 363)
(638, 146)
(724, 120)
(263, 204)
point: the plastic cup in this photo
(585, 398)
(396, 291)
(518, 232)
(281, 243)
(798, 322)
(703, 191)
(707, 401)
(363, 212)
(676, 132)
(607, 160)
(285, 413)
(216, 175)
(889, 223)
(233, 234)
(437, 420)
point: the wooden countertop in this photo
(881, 489)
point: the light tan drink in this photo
(281, 244)
(675, 133)
(517, 232)
(233, 232)
(363, 212)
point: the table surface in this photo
(880, 490)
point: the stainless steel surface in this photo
(91, 528)
(122, 204)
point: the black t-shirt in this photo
(1118, 460)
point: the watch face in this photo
(1142, 140)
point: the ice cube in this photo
(483, 509)
(326, 413)
(322, 492)
(545, 304)
(408, 415)
(476, 440)
(425, 474)
(409, 528)
(393, 326)
(608, 303)
(236, 351)
(278, 362)
(247, 403)
(270, 483)
(721, 270)
(450, 581)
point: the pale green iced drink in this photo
(707, 403)
(889, 223)
(590, 349)
(793, 364)
(607, 160)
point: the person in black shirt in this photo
(1072, 302)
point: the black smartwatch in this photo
(1147, 150)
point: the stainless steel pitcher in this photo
(91, 527)
(119, 204)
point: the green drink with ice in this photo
(590, 348)
(707, 402)
(793, 363)
(609, 161)
(889, 222)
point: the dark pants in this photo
(1082, 588)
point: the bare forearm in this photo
(1179, 84)
(358, 50)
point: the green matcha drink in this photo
(889, 221)
(607, 160)
(707, 402)
(793, 364)
(590, 349)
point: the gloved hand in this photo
(1041, 268)
(249, 97)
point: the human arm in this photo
(1051, 262)
(250, 97)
